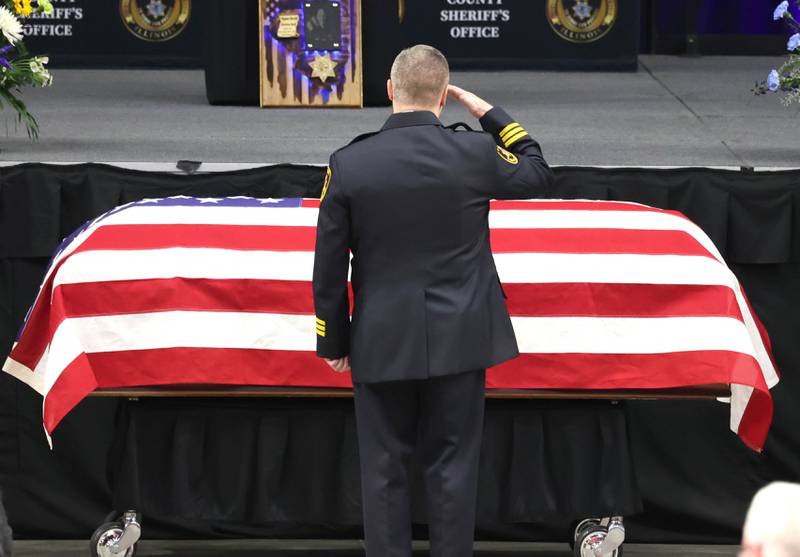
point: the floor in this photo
(673, 111)
(252, 548)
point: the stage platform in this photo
(695, 478)
(673, 112)
(311, 548)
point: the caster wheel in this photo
(588, 537)
(577, 526)
(104, 537)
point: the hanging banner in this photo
(113, 33)
(528, 33)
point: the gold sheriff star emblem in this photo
(323, 67)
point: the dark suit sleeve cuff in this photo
(332, 348)
(331, 354)
(495, 120)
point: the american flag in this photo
(183, 290)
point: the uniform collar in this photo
(416, 118)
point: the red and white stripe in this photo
(603, 295)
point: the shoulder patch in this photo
(458, 125)
(507, 156)
(325, 185)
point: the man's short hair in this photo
(773, 520)
(419, 75)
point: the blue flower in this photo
(773, 80)
(780, 10)
(3, 60)
(794, 42)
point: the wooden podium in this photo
(310, 53)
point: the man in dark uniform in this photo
(411, 204)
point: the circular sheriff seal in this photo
(581, 21)
(155, 20)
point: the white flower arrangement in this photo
(10, 26)
(18, 68)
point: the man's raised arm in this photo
(522, 171)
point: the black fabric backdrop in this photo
(289, 468)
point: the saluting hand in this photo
(339, 364)
(472, 102)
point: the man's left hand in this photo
(339, 364)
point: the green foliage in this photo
(791, 66)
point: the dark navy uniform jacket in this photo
(411, 204)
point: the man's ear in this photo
(390, 89)
(443, 100)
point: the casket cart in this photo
(590, 536)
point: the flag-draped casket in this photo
(603, 295)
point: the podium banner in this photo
(545, 34)
(114, 33)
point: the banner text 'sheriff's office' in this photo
(558, 34)
(112, 33)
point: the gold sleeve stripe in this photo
(325, 185)
(320, 328)
(516, 137)
(321, 333)
(508, 130)
(320, 321)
